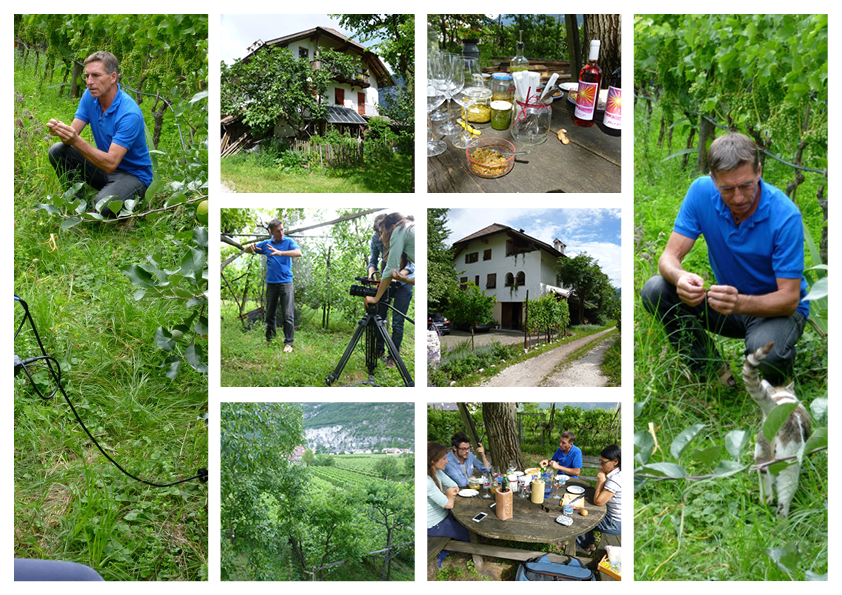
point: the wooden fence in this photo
(330, 154)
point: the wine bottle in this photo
(519, 62)
(613, 116)
(587, 96)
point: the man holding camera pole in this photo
(401, 295)
(279, 252)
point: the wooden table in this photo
(529, 523)
(590, 163)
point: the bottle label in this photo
(586, 98)
(612, 108)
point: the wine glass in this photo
(474, 88)
(452, 82)
(486, 484)
(435, 97)
(557, 483)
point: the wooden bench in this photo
(509, 553)
(434, 546)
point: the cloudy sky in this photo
(239, 31)
(595, 231)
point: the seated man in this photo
(568, 458)
(461, 462)
(755, 245)
(119, 165)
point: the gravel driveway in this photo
(534, 371)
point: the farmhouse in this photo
(351, 100)
(506, 263)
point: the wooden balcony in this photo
(359, 78)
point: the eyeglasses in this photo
(468, 449)
(743, 189)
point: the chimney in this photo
(558, 245)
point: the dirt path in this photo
(226, 187)
(586, 371)
(533, 371)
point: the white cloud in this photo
(607, 255)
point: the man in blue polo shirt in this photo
(755, 243)
(279, 252)
(568, 458)
(119, 165)
(461, 462)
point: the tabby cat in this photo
(789, 438)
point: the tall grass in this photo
(70, 502)
(713, 529)
(247, 359)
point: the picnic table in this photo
(529, 522)
(590, 163)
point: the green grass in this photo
(247, 360)
(713, 529)
(251, 173)
(70, 502)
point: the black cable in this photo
(201, 474)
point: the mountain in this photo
(347, 426)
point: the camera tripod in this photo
(371, 324)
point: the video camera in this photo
(369, 288)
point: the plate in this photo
(569, 86)
(470, 493)
(575, 489)
(518, 473)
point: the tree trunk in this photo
(550, 427)
(74, 82)
(468, 423)
(574, 46)
(499, 419)
(706, 130)
(605, 28)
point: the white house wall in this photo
(536, 265)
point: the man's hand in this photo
(480, 449)
(544, 463)
(65, 133)
(723, 298)
(372, 273)
(690, 288)
(274, 251)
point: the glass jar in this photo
(479, 112)
(501, 115)
(502, 87)
(532, 122)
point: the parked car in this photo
(441, 324)
(478, 327)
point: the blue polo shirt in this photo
(278, 268)
(751, 256)
(571, 460)
(454, 470)
(121, 124)
(378, 249)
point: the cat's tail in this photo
(750, 376)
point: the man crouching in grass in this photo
(279, 252)
(119, 165)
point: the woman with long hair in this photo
(441, 495)
(608, 492)
(398, 235)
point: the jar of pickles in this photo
(479, 111)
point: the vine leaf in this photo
(735, 442)
(670, 470)
(776, 419)
(644, 444)
(727, 468)
(786, 557)
(70, 222)
(706, 456)
(683, 439)
(817, 440)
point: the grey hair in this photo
(108, 60)
(732, 151)
(274, 224)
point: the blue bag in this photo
(541, 569)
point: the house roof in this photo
(374, 62)
(517, 235)
(343, 115)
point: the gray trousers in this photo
(280, 294)
(689, 328)
(72, 167)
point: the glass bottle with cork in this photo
(587, 95)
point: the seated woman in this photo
(398, 236)
(441, 494)
(608, 492)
